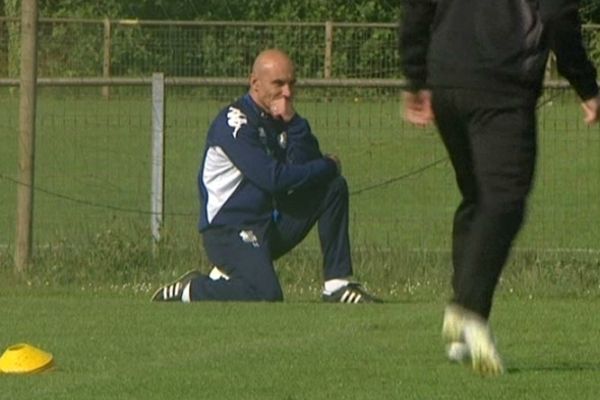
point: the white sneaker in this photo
(468, 337)
(454, 320)
(176, 290)
(452, 333)
(485, 359)
(458, 352)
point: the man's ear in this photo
(254, 83)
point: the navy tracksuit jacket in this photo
(263, 184)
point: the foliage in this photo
(590, 11)
(82, 8)
(246, 10)
(76, 49)
(11, 9)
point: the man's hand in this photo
(591, 110)
(337, 162)
(282, 108)
(417, 108)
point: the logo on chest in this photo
(236, 119)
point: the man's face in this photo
(273, 82)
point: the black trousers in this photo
(248, 257)
(491, 141)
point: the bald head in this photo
(271, 59)
(273, 78)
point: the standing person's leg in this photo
(504, 143)
(499, 146)
(452, 120)
(454, 130)
(504, 152)
(493, 152)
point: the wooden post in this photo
(106, 58)
(27, 106)
(328, 49)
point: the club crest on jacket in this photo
(236, 119)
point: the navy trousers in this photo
(246, 254)
(491, 141)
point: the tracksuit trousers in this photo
(246, 254)
(491, 141)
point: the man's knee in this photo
(264, 286)
(506, 213)
(272, 296)
(339, 186)
(506, 195)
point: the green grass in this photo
(93, 168)
(85, 298)
(118, 345)
(91, 221)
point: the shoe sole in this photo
(351, 297)
(348, 299)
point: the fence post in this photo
(106, 58)
(328, 49)
(27, 105)
(158, 155)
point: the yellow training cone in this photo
(23, 358)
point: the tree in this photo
(12, 9)
(226, 10)
(590, 11)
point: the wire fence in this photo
(93, 166)
(93, 151)
(84, 48)
(128, 48)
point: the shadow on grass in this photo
(563, 367)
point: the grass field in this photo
(85, 299)
(93, 168)
(92, 194)
(118, 345)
